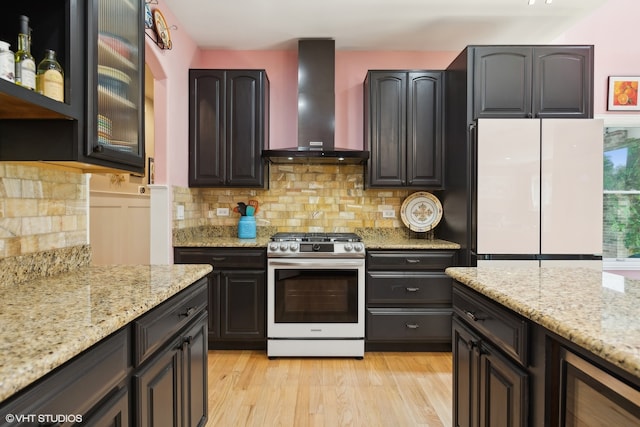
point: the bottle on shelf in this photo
(25, 74)
(7, 62)
(50, 77)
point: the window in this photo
(621, 246)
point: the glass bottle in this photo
(50, 77)
(25, 64)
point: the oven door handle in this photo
(316, 263)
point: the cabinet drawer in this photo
(504, 328)
(223, 258)
(153, 329)
(408, 325)
(75, 388)
(413, 260)
(384, 287)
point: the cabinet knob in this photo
(471, 344)
(98, 148)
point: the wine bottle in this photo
(50, 78)
(25, 64)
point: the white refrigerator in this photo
(539, 191)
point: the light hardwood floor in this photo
(383, 389)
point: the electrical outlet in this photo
(222, 211)
(142, 189)
(388, 213)
(180, 212)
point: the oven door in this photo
(315, 298)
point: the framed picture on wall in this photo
(623, 94)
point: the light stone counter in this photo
(374, 238)
(47, 321)
(596, 310)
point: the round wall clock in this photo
(162, 29)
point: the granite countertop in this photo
(596, 310)
(47, 321)
(373, 238)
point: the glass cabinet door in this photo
(116, 76)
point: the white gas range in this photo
(315, 295)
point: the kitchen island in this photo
(47, 322)
(568, 339)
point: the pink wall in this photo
(612, 30)
(616, 54)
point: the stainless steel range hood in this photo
(316, 110)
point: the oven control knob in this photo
(293, 247)
(284, 246)
(358, 247)
(273, 246)
(315, 247)
(348, 247)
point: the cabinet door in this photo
(465, 376)
(563, 81)
(159, 389)
(502, 82)
(114, 413)
(207, 147)
(242, 305)
(195, 373)
(424, 129)
(387, 128)
(115, 125)
(245, 106)
(504, 391)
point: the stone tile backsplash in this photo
(42, 208)
(311, 198)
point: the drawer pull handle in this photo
(413, 261)
(473, 316)
(218, 258)
(412, 289)
(412, 325)
(188, 313)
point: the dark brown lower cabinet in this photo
(408, 300)
(171, 389)
(489, 390)
(237, 294)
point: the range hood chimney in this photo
(316, 110)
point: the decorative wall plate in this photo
(421, 211)
(162, 29)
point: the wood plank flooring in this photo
(384, 389)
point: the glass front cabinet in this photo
(99, 126)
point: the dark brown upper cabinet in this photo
(100, 46)
(403, 121)
(228, 127)
(532, 81)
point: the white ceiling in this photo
(422, 25)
